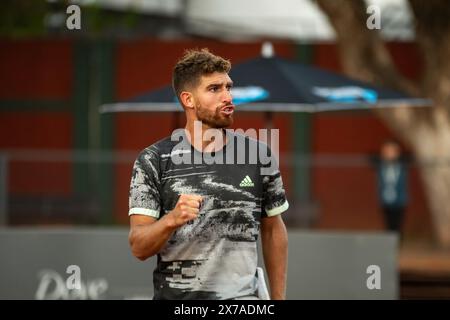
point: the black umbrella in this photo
(279, 85)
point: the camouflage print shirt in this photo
(215, 255)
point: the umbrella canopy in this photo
(279, 85)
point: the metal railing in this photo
(76, 188)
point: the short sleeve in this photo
(144, 197)
(274, 195)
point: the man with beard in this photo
(202, 220)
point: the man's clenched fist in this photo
(186, 209)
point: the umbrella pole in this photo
(273, 140)
(176, 120)
(268, 118)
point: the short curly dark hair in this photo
(194, 64)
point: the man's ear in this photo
(187, 99)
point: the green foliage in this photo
(22, 18)
(28, 18)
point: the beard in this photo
(213, 119)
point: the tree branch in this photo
(433, 36)
(365, 57)
(363, 53)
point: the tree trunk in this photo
(427, 131)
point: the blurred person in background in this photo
(392, 182)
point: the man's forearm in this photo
(147, 240)
(148, 236)
(275, 251)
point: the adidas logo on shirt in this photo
(247, 182)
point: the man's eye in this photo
(213, 89)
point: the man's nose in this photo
(227, 97)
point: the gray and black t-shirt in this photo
(215, 255)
